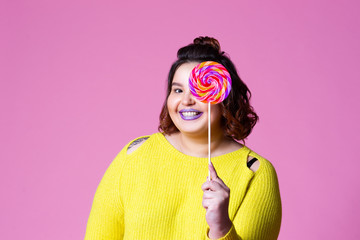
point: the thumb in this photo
(213, 174)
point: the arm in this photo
(259, 215)
(106, 216)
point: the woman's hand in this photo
(216, 202)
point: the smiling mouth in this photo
(190, 114)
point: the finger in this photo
(212, 185)
(205, 186)
(215, 177)
(208, 185)
(206, 203)
(221, 182)
(213, 174)
(209, 195)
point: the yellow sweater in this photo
(155, 193)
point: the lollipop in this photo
(210, 83)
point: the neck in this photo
(197, 145)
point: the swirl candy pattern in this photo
(210, 82)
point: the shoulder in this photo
(136, 143)
(123, 157)
(265, 178)
(265, 167)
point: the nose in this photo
(188, 99)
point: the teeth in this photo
(189, 114)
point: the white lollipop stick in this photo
(209, 137)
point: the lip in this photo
(188, 118)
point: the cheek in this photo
(170, 103)
(173, 101)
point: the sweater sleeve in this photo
(259, 215)
(106, 220)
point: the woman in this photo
(156, 188)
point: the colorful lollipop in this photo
(210, 83)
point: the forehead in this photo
(182, 74)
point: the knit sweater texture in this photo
(155, 193)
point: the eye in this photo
(177, 90)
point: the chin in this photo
(193, 131)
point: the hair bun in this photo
(208, 41)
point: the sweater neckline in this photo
(176, 153)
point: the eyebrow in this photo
(176, 84)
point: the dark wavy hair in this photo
(238, 116)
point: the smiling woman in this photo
(156, 188)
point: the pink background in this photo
(79, 79)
